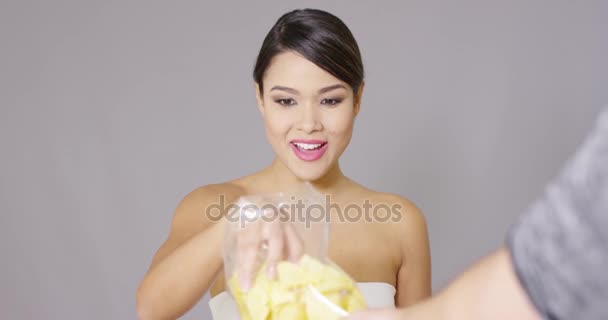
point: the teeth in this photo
(307, 146)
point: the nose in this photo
(309, 119)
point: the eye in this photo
(331, 102)
(286, 102)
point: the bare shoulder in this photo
(205, 205)
(196, 211)
(410, 231)
(208, 194)
(407, 222)
(408, 212)
(406, 231)
(405, 210)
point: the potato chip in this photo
(306, 290)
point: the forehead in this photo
(293, 70)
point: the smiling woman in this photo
(308, 82)
(308, 113)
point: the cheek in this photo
(340, 126)
(277, 123)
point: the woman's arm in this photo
(414, 277)
(186, 265)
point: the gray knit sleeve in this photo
(559, 246)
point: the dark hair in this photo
(320, 37)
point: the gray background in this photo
(111, 111)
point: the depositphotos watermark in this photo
(302, 212)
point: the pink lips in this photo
(309, 155)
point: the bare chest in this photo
(365, 253)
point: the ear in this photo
(358, 96)
(258, 97)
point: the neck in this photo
(283, 178)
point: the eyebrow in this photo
(294, 91)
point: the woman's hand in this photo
(265, 238)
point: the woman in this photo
(308, 85)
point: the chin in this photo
(309, 176)
(310, 172)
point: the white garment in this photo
(376, 294)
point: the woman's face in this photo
(308, 114)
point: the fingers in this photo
(295, 245)
(248, 242)
(273, 233)
(281, 239)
